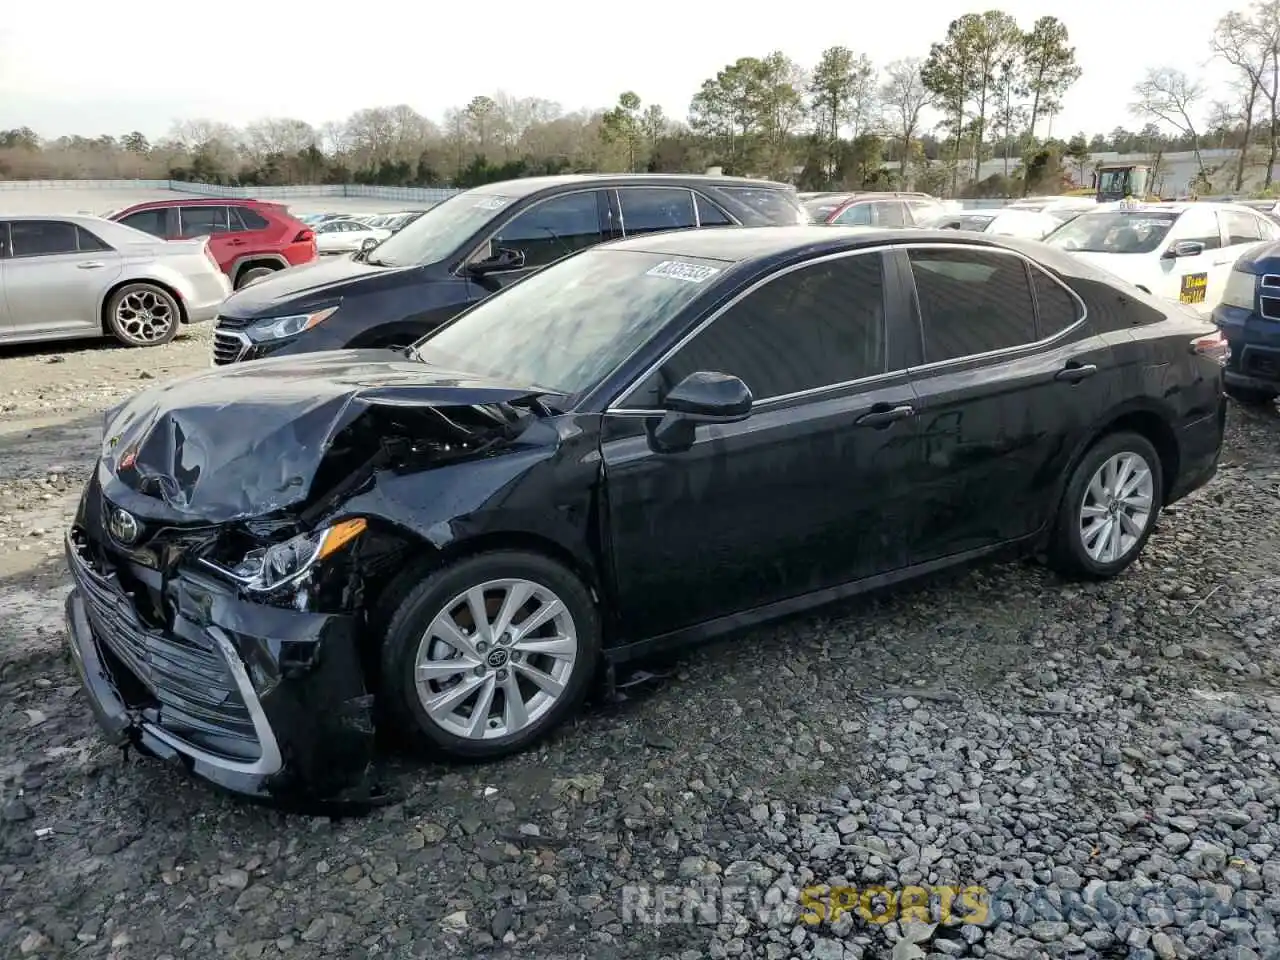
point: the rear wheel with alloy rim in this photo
(1110, 507)
(143, 315)
(485, 657)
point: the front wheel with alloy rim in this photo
(485, 657)
(1110, 507)
(143, 315)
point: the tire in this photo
(1069, 551)
(135, 311)
(1250, 396)
(414, 635)
(247, 277)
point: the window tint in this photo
(971, 302)
(709, 215)
(1240, 227)
(814, 327)
(650, 209)
(154, 222)
(1057, 308)
(780, 207)
(201, 221)
(857, 215)
(89, 241)
(35, 238)
(248, 219)
(553, 228)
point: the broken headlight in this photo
(278, 328)
(268, 568)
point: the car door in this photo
(542, 232)
(1200, 280)
(55, 277)
(1002, 394)
(250, 231)
(803, 495)
(212, 221)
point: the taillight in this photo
(1212, 345)
(304, 236)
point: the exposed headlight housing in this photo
(1240, 289)
(277, 328)
(264, 569)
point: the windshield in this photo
(977, 222)
(440, 230)
(1135, 231)
(569, 325)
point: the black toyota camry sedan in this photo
(651, 442)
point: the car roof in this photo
(526, 186)
(199, 202)
(84, 219)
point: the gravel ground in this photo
(1101, 760)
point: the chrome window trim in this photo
(615, 410)
(458, 270)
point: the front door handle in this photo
(1075, 372)
(880, 418)
(90, 265)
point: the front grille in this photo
(190, 691)
(228, 347)
(1269, 296)
(231, 323)
(1259, 362)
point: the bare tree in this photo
(1167, 94)
(903, 96)
(1241, 44)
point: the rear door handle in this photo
(90, 265)
(1076, 372)
(886, 416)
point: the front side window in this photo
(43, 238)
(1128, 231)
(1240, 227)
(820, 325)
(651, 209)
(1201, 226)
(566, 328)
(202, 221)
(552, 229)
(971, 302)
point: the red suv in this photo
(248, 238)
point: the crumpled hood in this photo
(248, 439)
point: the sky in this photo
(140, 65)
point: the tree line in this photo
(845, 122)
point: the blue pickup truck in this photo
(1249, 317)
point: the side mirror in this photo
(504, 259)
(1184, 248)
(702, 397)
(368, 243)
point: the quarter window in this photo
(709, 215)
(821, 325)
(154, 222)
(651, 209)
(971, 302)
(553, 228)
(202, 221)
(1056, 308)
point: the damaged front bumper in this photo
(260, 700)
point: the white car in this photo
(346, 236)
(1178, 251)
(1005, 223)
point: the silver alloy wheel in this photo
(495, 659)
(1116, 507)
(144, 316)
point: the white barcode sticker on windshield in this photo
(492, 203)
(675, 270)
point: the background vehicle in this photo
(1007, 222)
(76, 276)
(472, 245)
(346, 236)
(249, 238)
(883, 210)
(479, 535)
(1055, 206)
(1179, 251)
(1249, 317)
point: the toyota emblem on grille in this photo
(123, 526)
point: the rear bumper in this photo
(204, 299)
(1200, 448)
(259, 700)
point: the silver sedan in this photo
(63, 277)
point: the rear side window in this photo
(709, 215)
(154, 222)
(1056, 308)
(971, 302)
(243, 218)
(890, 213)
(652, 209)
(855, 215)
(777, 205)
(202, 221)
(43, 238)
